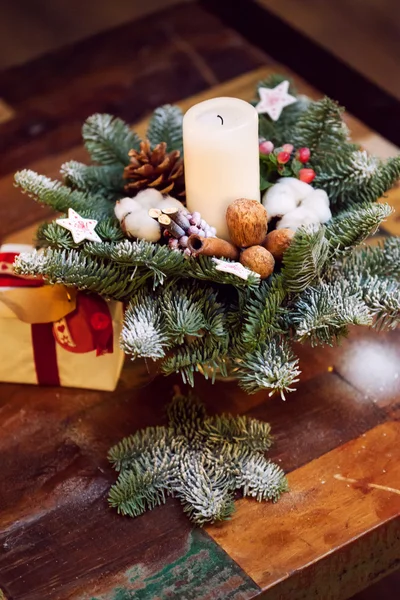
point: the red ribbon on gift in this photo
(89, 327)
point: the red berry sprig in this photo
(303, 155)
(284, 162)
(307, 175)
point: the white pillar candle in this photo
(220, 142)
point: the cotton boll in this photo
(169, 202)
(149, 198)
(300, 189)
(279, 200)
(125, 206)
(318, 202)
(140, 225)
(297, 217)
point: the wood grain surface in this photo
(334, 533)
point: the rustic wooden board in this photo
(59, 540)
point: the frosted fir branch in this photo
(166, 126)
(109, 139)
(59, 197)
(382, 296)
(357, 178)
(199, 464)
(144, 333)
(352, 227)
(129, 449)
(382, 261)
(305, 259)
(262, 479)
(72, 268)
(322, 130)
(322, 314)
(207, 496)
(106, 179)
(271, 366)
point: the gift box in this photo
(53, 335)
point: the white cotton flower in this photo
(279, 200)
(169, 202)
(135, 220)
(297, 217)
(126, 205)
(149, 198)
(318, 202)
(140, 225)
(299, 188)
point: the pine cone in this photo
(155, 169)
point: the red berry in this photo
(266, 147)
(288, 148)
(303, 155)
(283, 157)
(307, 175)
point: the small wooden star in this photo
(81, 229)
(273, 101)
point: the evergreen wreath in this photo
(183, 311)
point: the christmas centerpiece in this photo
(227, 253)
(229, 234)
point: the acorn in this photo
(247, 222)
(258, 259)
(278, 241)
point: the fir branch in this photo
(200, 355)
(262, 312)
(382, 296)
(206, 498)
(129, 449)
(135, 492)
(352, 227)
(357, 178)
(144, 333)
(109, 139)
(225, 431)
(262, 479)
(183, 313)
(166, 126)
(201, 460)
(382, 260)
(72, 268)
(305, 259)
(107, 179)
(59, 197)
(54, 236)
(271, 366)
(203, 268)
(322, 130)
(322, 314)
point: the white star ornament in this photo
(81, 229)
(273, 101)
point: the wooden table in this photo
(338, 437)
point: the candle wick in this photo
(219, 117)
